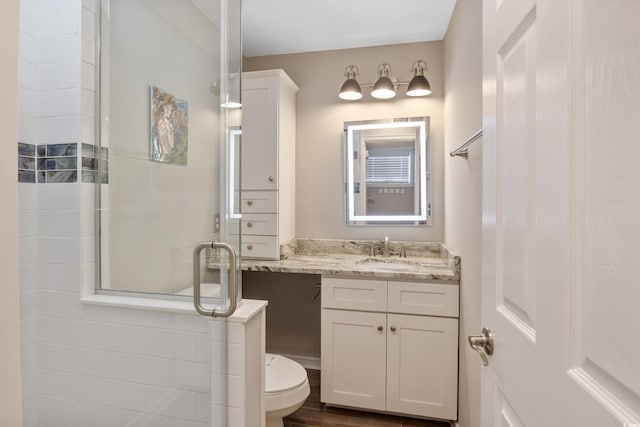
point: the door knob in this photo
(483, 344)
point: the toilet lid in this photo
(282, 374)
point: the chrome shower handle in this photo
(233, 279)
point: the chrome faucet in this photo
(385, 252)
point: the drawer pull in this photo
(250, 202)
(271, 179)
(249, 247)
(393, 328)
(249, 225)
(380, 328)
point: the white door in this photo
(561, 212)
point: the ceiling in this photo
(272, 27)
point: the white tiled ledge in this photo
(247, 308)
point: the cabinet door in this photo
(259, 134)
(353, 358)
(422, 365)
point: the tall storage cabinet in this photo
(268, 162)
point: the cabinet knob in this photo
(250, 202)
(271, 179)
(393, 328)
(249, 225)
(249, 247)
(380, 328)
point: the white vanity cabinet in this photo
(390, 346)
(268, 162)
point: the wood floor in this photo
(315, 414)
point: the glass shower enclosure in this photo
(167, 169)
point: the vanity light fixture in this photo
(419, 85)
(350, 90)
(385, 86)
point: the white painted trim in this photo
(247, 308)
(307, 362)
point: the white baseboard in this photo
(306, 361)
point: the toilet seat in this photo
(286, 383)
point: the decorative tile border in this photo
(60, 163)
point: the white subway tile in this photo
(28, 248)
(159, 343)
(88, 103)
(60, 75)
(88, 196)
(88, 249)
(57, 250)
(217, 357)
(92, 5)
(29, 132)
(60, 49)
(218, 389)
(30, 411)
(28, 305)
(235, 333)
(67, 20)
(60, 102)
(171, 402)
(192, 376)
(28, 197)
(87, 130)
(88, 50)
(186, 346)
(88, 222)
(235, 391)
(235, 359)
(119, 394)
(64, 224)
(147, 370)
(47, 24)
(59, 197)
(29, 48)
(61, 277)
(28, 102)
(235, 417)
(152, 319)
(88, 23)
(28, 224)
(89, 76)
(30, 384)
(190, 322)
(29, 276)
(29, 357)
(88, 279)
(203, 410)
(28, 75)
(63, 129)
(147, 419)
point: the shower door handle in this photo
(233, 279)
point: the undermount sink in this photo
(387, 261)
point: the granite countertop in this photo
(426, 262)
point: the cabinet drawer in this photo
(354, 294)
(423, 298)
(260, 247)
(260, 224)
(259, 201)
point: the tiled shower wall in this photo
(82, 364)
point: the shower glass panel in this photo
(170, 71)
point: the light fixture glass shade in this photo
(419, 86)
(383, 89)
(350, 90)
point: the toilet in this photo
(286, 388)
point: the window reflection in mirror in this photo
(387, 171)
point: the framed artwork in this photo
(169, 128)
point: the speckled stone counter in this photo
(426, 262)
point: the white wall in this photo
(319, 132)
(463, 186)
(10, 386)
(158, 211)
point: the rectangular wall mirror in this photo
(387, 172)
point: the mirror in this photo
(387, 171)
